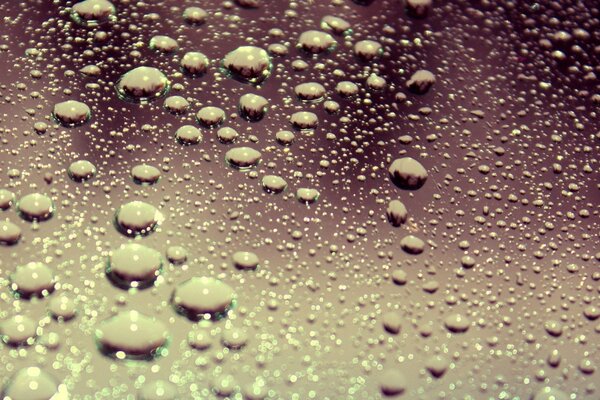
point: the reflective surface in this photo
(351, 199)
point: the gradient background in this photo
(325, 339)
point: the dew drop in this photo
(142, 85)
(202, 298)
(132, 335)
(134, 266)
(137, 218)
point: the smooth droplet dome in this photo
(253, 107)
(34, 279)
(304, 120)
(132, 335)
(367, 49)
(176, 104)
(7, 198)
(158, 390)
(134, 266)
(195, 15)
(243, 157)
(145, 174)
(81, 170)
(163, 44)
(71, 113)
(316, 42)
(142, 85)
(188, 135)
(9, 233)
(93, 12)
(273, 184)
(392, 382)
(412, 244)
(249, 64)
(335, 24)
(203, 297)
(137, 218)
(18, 330)
(177, 255)
(420, 82)
(245, 260)
(194, 63)
(36, 207)
(396, 213)
(227, 134)
(310, 91)
(457, 323)
(62, 308)
(407, 173)
(210, 116)
(550, 393)
(33, 383)
(307, 195)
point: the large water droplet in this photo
(249, 64)
(34, 279)
(134, 266)
(203, 297)
(35, 207)
(137, 218)
(33, 383)
(142, 85)
(132, 335)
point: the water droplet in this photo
(304, 120)
(33, 383)
(242, 158)
(18, 330)
(9, 233)
(396, 213)
(407, 173)
(227, 135)
(420, 82)
(132, 335)
(81, 170)
(310, 92)
(137, 218)
(145, 174)
(253, 107)
(316, 42)
(195, 15)
(7, 198)
(210, 117)
(392, 382)
(549, 393)
(307, 195)
(177, 255)
(158, 390)
(34, 279)
(248, 64)
(457, 323)
(93, 12)
(274, 184)
(202, 298)
(142, 85)
(412, 245)
(188, 135)
(194, 63)
(35, 207)
(62, 308)
(71, 113)
(245, 260)
(163, 44)
(134, 266)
